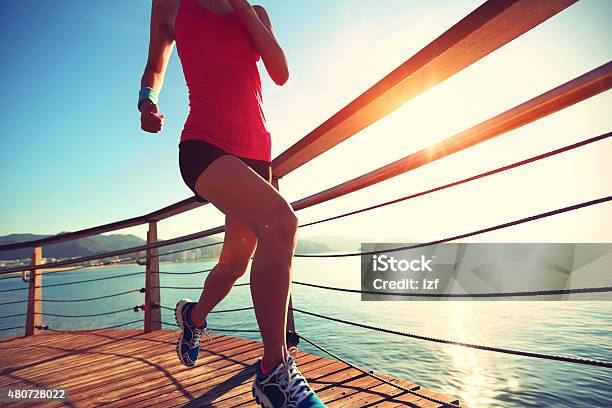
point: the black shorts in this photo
(196, 155)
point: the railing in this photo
(486, 29)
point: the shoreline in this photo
(69, 268)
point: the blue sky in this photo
(73, 155)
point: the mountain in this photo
(338, 243)
(93, 245)
(98, 244)
(305, 246)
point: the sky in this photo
(73, 156)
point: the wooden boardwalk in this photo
(129, 368)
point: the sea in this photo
(477, 377)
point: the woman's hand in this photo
(150, 119)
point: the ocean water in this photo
(479, 378)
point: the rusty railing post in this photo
(152, 312)
(33, 314)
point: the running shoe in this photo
(284, 387)
(188, 346)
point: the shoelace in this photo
(197, 334)
(294, 381)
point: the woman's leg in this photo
(238, 246)
(236, 190)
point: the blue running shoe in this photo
(284, 387)
(188, 346)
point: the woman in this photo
(225, 158)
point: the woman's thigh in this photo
(242, 194)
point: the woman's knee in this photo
(280, 224)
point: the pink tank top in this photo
(219, 61)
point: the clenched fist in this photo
(150, 119)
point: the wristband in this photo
(147, 93)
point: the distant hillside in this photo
(305, 246)
(74, 248)
(98, 244)
(338, 243)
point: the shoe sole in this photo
(178, 310)
(260, 398)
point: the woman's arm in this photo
(161, 45)
(258, 23)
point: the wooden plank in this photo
(376, 392)
(66, 342)
(130, 368)
(226, 394)
(147, 378)
(71, 364)
(163, 364)
(244, 396)
(371, 397)
(489, 27)
(51, 350)
(224, 391)
(154, 368)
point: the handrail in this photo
(570, 93)
(487, 28)
(574, 91)
(189, 237)
(181, 206)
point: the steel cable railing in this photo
(132, 309)
(46, 327)
(13, 302)
(11, 328)
(238, 309)
(569, 359)
(78, 268)
(412, 390)
(548, 292)
(13, 315)
(76, 282)
(184, 273)
(215, 329)
(196, 287)
(468, 179)
(469, 234)
(92, 298)
(93, 280)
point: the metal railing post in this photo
(152, 312)
(292, 339)
(34, 310)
